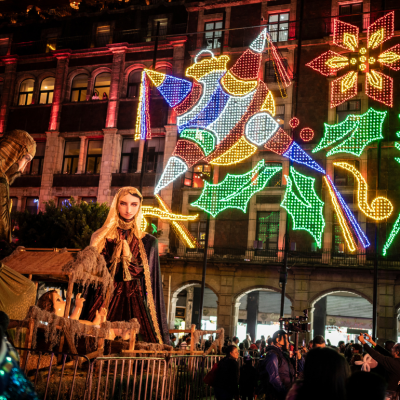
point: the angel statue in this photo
(132, 259)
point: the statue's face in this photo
(58, 304)
(23, 162)
(128, 206)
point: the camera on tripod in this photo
(296, 324)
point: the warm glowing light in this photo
(237, 153)
(379, 87)
(363, 59)
(363, 50)
(380, 31)
(306, 210)
(371, 60)
(269, 104)
(206, 66)
(306, 134)
(343, 88)
(353, 61)
(325, 65)
(391, 58)
(362, 67)
(294, 122)
(342, 220)
(381, 208)
(237, 87)
(142, 128)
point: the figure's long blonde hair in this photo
(109, 231)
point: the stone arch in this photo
(38, 82)
(18, 82)
(328, 292)
(128, 70)
(237, 297)
(70, 78)
(164, 64)
(174, 296)
(92, 78)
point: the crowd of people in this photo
(267, 371)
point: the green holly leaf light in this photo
(304, 207)
(358, 131)
(235, 191)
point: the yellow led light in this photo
(372, 60)
(203, 67)
(342, 220)
(376, 38)
(389, 57)
(156, 77)
(237, 153)
(180, 229)
(337, 62)
(348, 81)
(363, 50)
(150, 211)
(350, 40)
(362, 67)
(363, 58)
(353, 61)
(381, 207)
(375, 79)
(269, 104)
(237, 87)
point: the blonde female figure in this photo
(132, 258)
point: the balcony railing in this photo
(275, 257)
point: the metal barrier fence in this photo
(66, 376)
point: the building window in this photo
(213, 39)
(129, 156)
(155, 155)
(352, 14)
(276, 180)
(71, 157)
(278, 26)
(4, 45)
(32, 205)
(14, 204)
(46, 91)
(347, 108)
(270, 73)
(163, 27)
(267, 233)
(198, 228)
(102, 85)
(26, 92)
(63, 201)
(280, 114)
(103, 35)
(193, 177)
(79, 88)
(51, 43)
(35, 167)
(134, 81)
(89, 200)
(342, 177)
(93, 162)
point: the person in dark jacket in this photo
(227, 376)
(248, 379)
(276, 371)
(391, 363)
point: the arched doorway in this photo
(185, 303)
(341, 316)
(257, 312)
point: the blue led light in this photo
(174, 90)
(297, 154)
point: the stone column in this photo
(51, 164)
(387, 314)
(82, 152)
(8, 89)
(172, 312)
(320, 317)
(235, 319)
(224, 311)
(109, 160)
(252, 314)
(189, 307)
(140, 156)
(117, 75)
(59, 88)
(227, 26)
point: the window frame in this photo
(278, 24)
(259, 223)
(26, 204)
(26, 93)
(96, 157)
(201, 226)
(213, 38)
(46, 91)
(131, 156)
(96, 87)
(79, 90)
(351, 5)
(70, 157)
(134, 84)
(28, 168)
(348, 111)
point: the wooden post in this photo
(69, 296)
(192, 344)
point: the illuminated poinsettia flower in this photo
(378, 86)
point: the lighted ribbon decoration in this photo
(380, 208)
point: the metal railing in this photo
(275, 256)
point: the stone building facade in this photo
(87, 149)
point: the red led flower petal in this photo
(345, 35)
(328, 63)
(379, 87)
(343, 88)
(381, 30)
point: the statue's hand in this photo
(103, 312)
(79, 301)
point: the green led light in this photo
(235, 191)
(393, 234)
(205, 139)
(306, 211)
(357, 130)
